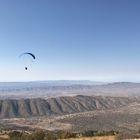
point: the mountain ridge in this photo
(11, 108)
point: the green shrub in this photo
(38, 135)
(15, 135)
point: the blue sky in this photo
(95, 40)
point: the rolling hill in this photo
(45, 90)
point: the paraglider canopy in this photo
(28, 58)
(26, 53)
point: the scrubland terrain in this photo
(110, 107)
(95, 138)
(78, 113)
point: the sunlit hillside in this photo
(94, 138)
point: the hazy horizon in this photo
(67, 80)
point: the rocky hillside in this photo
(60, 105)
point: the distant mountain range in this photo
(10, 85)
(47, 89)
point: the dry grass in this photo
(4, 136)
(94, 138)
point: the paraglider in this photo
(28, 59)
